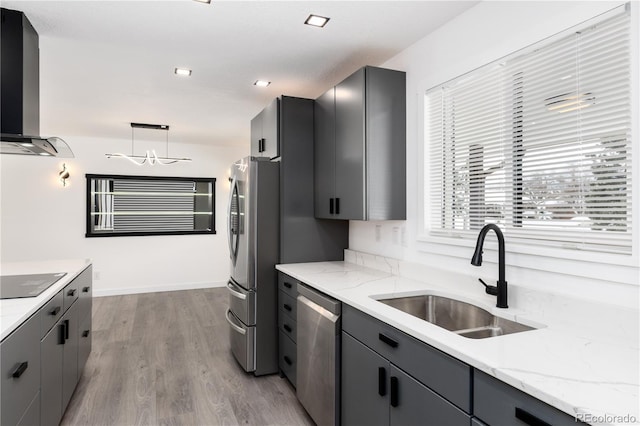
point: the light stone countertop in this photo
(14, 312)
(572, 362)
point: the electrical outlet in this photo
(96, 275)
(378, 232)
(395, 235)
(403, 236)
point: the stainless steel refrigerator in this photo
(253, 233)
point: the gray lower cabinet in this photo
(360, 147)
(497, 403)
(42, 360)
(364, 381)
(70, 354)
(376, 392)
(51, 349)
(20, 381)
(287, 325)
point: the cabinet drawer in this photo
(444, 374)
(288, 285)
(20, 363)
(287, 359)
(70, 293)
(50, 313)
(287, 304)
(287, 325)
(497, 403)
(85, 292)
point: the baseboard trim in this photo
(98, 292)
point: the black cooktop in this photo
(18, 286)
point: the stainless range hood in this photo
(20, 91)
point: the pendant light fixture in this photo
(150, 157)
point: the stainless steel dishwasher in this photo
(318, 355)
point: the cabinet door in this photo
(350, 147)
(270, 118)
(413, 403)
(84, 343)
(365, 376)
(256, 135)
(20, 365)
(51, 350)
(69, 354)
(324, 155)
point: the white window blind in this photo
(538, 143)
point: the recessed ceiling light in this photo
(261, 83)
(183, 71)
(316, 21)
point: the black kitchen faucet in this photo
(501, 289)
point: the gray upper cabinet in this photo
(264, 132)
(360, 147)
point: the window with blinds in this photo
(538, 143)
(136, 205)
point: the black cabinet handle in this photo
(287, 307)
(261, 144)
(287, 285)
(382, 381)
(86, 289)
(529, 418)
(388, 340)
(337, 205)
(55, 311)
(85, 333)
(394, 391)
(287, 328)
(330, 205)
(287, 360)
(71, 292)
(62, 333)
(21, 369)
(66, 329)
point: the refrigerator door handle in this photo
(232, 289)
(233, 251)
(233, 325)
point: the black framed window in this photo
(123, 205)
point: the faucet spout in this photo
(501, 289)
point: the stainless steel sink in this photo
(462, 318)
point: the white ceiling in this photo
(104, 64)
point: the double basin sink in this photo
(459, 317)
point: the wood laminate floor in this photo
(164, 359)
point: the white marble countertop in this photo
(572, 362)
(14, 312)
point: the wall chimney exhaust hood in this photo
(20, 91)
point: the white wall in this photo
(482, 35)
(41, 220)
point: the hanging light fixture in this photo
(150, 157)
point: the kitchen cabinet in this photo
(264, 132)
(497, 403)
(389, 377)
(20, 381)
(42, 360)
(287, 325)
(360, 147)
(65, 349)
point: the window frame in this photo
(555, 259)
(88, 203)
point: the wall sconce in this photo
(64, 174)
